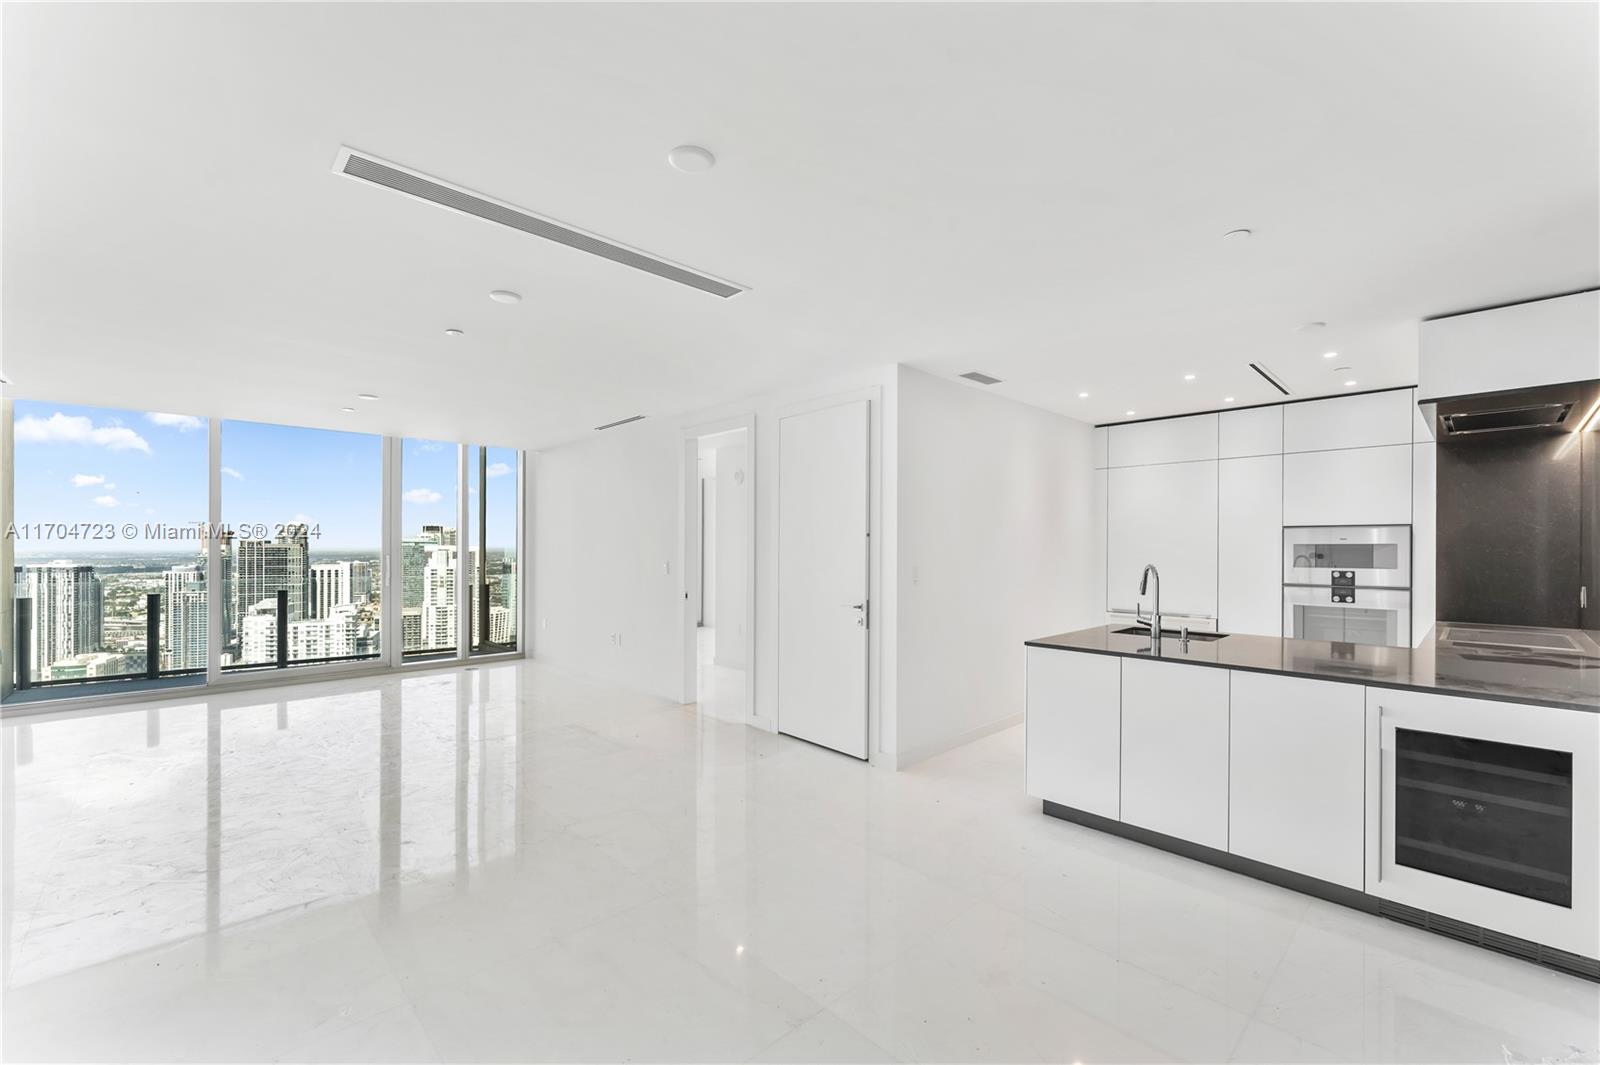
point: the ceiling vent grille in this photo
(621, 421)
(1271, 378)
(418, 186)
(981, 378)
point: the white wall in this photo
(606, 533)
(729, 551)
(996, 543)
(611, 505)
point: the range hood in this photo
(1543, 410)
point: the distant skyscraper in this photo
(439, 599)
(186, 616)
(262, 567)
(335, 584)
(258, 633)
(68, 612)
(336, 636)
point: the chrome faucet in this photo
(1153, 622)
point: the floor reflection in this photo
(232, 810)
(509, 863)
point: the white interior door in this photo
(822, 576)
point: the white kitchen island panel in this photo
(1297, 775)
(1073, 726)
(1175, 750)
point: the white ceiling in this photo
(1034, 191)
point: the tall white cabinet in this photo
(1165, 514)
(1206, 498)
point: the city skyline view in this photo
(110, 508)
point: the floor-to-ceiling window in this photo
(302, 561)
(107, 541)
(127, 571)
(492, 523)
(430, 473)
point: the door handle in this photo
(862, 620)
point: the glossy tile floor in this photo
(510, 864)
(720, 688)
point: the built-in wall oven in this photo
(1348, 584)
(1486, 812)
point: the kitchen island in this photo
(1454, 785)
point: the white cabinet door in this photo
(1175, 750)
(1298, 775)
(1361, 486)
(1250, 545)
(1166, 515)
(1073, 728)
(1257, 431)
(1372, 420)
(1169, 440)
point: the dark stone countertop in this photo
(1480, 661)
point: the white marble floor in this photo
(720, 688)
(507, 864)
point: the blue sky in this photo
(79, 464)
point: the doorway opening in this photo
(719, 508)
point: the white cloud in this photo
(302, 519)
(184, 423)
(421, 495)
(229, 471)
(105, 501)
(428, 447)
(498, 469)
(75, 429)
(84, 480)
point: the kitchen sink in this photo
(1203, 637)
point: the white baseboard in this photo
(906, 759)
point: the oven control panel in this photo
(1344, 585)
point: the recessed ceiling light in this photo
(368, 396)
(1188, 377)
(1349, 384)
(1128, 413)
(348, 410)
(691, 159)
(505, 295)
(1227, 399)
(452, 332)
(1330, 354)
(1236, 234)
(1083, 395)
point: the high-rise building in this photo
(258, 632)
(186, 616)
(360, 581)
(335, 584)
(262, 567)
(439, 599)
(68, 603)
(336, 636)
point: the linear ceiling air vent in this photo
(432, 190)
(1272, 378)
(981, 378)
(622, 421)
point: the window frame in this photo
(97, 692)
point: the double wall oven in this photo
(1348, 584)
